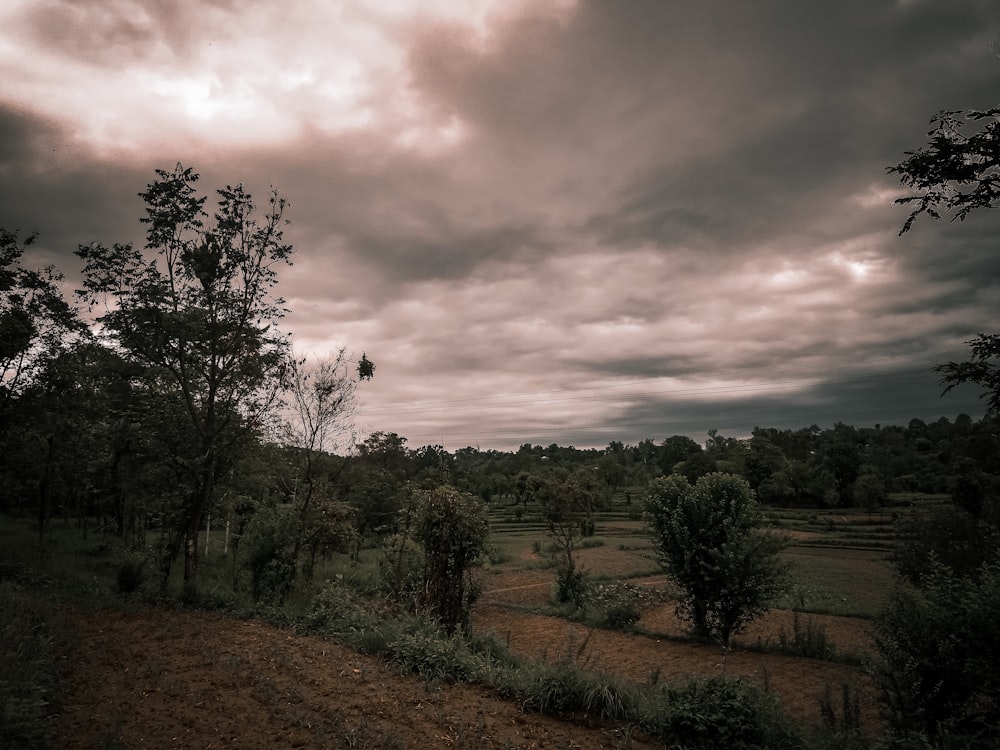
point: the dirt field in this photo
(161, 679)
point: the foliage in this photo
(808, 639)
(453, 528)
(322, 394)
(614, 605)
(568, 509)
(717, 712)
(198, 317)
(982, 368)
(266, 551)
(956, 172)
(711, 543)
(27, 670)
(35, 320)
(401, 569)
(945, 536)
(938, 667)
(131, 571)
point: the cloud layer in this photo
(545, 222)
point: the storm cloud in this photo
(568, 222)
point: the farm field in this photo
(179, 678)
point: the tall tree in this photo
(198, 314)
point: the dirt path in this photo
(179, 679)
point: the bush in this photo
(614, 605)
(948, 535)
(401, 569)
(808, 639)
(131, 572)
(570, 586)
(435, 656)
(266, 551)
(562, 687)
(716, 712)
(938, 667)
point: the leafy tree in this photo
(35, 319)
(198, 315)
(675, 449)
(568, 509)
(982, 369)
(453, 527)
(947, 537)
(710, 540)
(323, 402)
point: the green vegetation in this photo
(28, 679)
(712, 545)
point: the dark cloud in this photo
(571, 224)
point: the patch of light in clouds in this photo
(249, 74)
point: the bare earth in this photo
(164, 678)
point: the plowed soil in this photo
(168, 678)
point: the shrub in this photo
(808, 639)
(401, 569)
(131, 572)
(715, 712)
(938, 667)
(614, 605)
(570, 586)
(434, 655)
(453, 527)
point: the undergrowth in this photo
(28, 677)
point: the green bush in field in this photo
(716, 712)
(614, 605)
(453, 528)
(266, 551)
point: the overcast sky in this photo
(545, 221)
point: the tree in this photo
(453, 527)
(957, 172)
(35, 319)
(198, 315)
(710, 540)
(323, 402)
(568, 509)
(982, 369)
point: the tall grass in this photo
(28, 676)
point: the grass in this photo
(851, 583)
(28, 677)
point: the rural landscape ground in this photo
(155, 677)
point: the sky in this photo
(545, 221)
